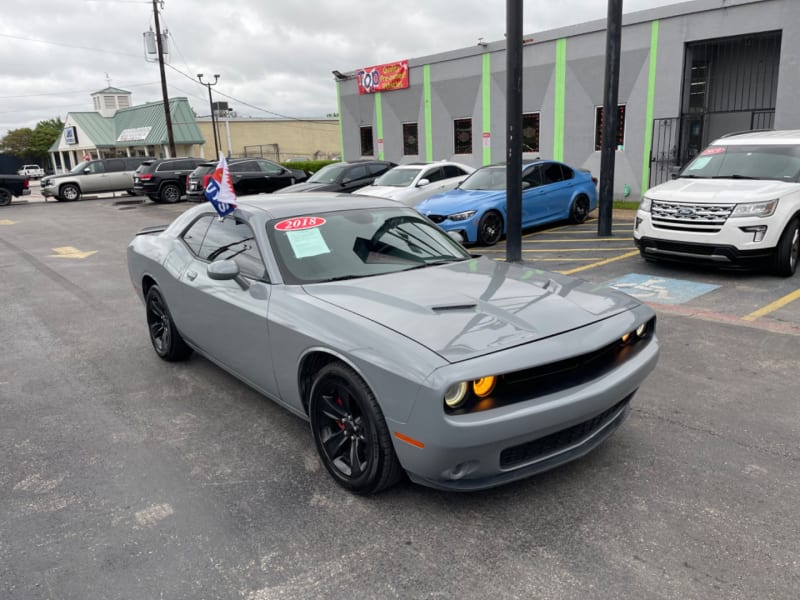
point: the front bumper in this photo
(486, 449)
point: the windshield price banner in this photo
(383, 78)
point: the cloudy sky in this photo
(274, 57)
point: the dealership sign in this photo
(383, 78)
(134, 134)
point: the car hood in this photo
(309, 187)
(385, 191)
(475, 307)
(720, 190)
(458, 200)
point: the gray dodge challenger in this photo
(404, 352)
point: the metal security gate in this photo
(664, 151)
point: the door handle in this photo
(191, 275)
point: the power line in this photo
(104, 50)
(127, 85)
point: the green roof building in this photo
(115, 128)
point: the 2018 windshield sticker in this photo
(307, 242)
(713, 150)
(299, 223)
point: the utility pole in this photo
(608, 148)
(514, 130)
(164, 95)
(211, 106)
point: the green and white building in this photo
(690, 72)
(115, 128)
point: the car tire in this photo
(579, 211)
(784, 262)
(490, 228)
(69, 192)
(164, 336)
(350, 433)
(170, 193)
(5, 197)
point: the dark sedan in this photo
(342, 177)
(249, 176)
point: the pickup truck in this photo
(12, 186)
(32, 171)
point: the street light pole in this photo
(211, 106)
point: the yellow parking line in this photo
(773, 306)
(600, 263)
(555, 250)
(549, 241)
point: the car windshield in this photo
(487, 178)
(348, 244)
(328, 174)
(397, 177)
(780, 162)
(79, 167)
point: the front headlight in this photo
(462, 216)
(455, 395)
(644, 205)
(755, 209)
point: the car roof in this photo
(288, 205)
(777, 137)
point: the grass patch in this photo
(625, 205)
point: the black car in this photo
(248, 175)
(342, 176)
(164, 179)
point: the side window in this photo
(552, 173)
(453, 171)
(358, 172)
(196, 233)
(270, 168)
(115, 165)
(533, 176)
(232, 238)
(434, 175)
(243, 167)
(567, 172)
(378, 169)
(96, 166)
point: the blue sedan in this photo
(551, 191)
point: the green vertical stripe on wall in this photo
(487, 106)
(426, 92)
(379, 124)
(651, 97)
(560, 95)
(339, 112)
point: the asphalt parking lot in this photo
(126, 477)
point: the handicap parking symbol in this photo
(661, 290)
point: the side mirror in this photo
(223, 270)
(526, 185)
(86, 170)
(423, 182)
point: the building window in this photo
(96, 103)
(109, 102)
(410, 139)
(367, 148)
(462, 136)
(530, 132)
(598, 127)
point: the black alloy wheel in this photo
(350, 432)
(490, 228)
(579, 211)
(69, 192)
(5, 197)
(170, 193)
(166, 340)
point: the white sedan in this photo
(412, 183)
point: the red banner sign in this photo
(383, 78)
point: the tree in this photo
(33, 144)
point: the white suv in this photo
(737, 202)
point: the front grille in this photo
(559, 441)
(437, 218)
(680, 216)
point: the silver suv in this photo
(93, 177)
(737, 202)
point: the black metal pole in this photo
(514, 130)
(610, 117)
(211, 106)
(164, 94)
